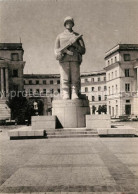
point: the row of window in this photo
(99, 98)
(44, 91)
(86, 80)
(113, 75)
(44, 82)
(114, 89)
(93, 89)
(114, 59)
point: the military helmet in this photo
(68, 18)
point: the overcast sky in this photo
(103, 23)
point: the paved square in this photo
(69, 165)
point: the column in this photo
(7, 81)
(137, 78)
(2, 80)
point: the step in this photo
(72, 135)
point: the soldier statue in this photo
(69, 48)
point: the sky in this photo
(103, 23)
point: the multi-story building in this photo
(93, 84)
(116, 85)
(11, 65)
(42, 86)
(47, 86)
(122, 80)
(11, 73)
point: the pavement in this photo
(97, 165)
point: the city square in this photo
(99, 165)
(69, 96)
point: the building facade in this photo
(11, 68)
(116, 86)
(94, 86)
(121, 64)
(11, 74)
(42, 86)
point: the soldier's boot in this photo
(75, 94)
(65, 94)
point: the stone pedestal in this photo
(71, 113)
(43, 122)
(98, 121)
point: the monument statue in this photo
(69, 48)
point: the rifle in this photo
(60, 51)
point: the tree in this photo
(102, 109)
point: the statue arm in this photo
(57, 45)
(80, 46)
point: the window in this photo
(37, 81)
(109, 90)
(112, 89)
(126, 57)
(110, 110)
(108, 62)
(105, 97)
(105, 88)
(92, 79)
(104, 78)
(109, 76)
(112, 75)
(111, 60)
(115, 59)
(99, 97)
(98, 79)
(51, 91)
(30, 82)
(44, 91)
(51, 81)
(127, 101)
(37, 91)
(126, 72)
(86, 80)
(116, 73)
(15, 72)
(24, 82)
(99, 88)
(86, 89)
(58, 81)
(15, 57)
(93, 98)
(44, 82)
(30, 91)
(127, 87)
(116, 110)
(58, 90)
(92, 88)
(116, 89)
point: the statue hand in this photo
(68, 52)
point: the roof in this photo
(11, 46)
(44, 76)
(41, 76)
(121, 47)
(94, 73)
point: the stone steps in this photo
(65, 133)
(71, 135)
(28, 132)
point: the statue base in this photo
(71, 113)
